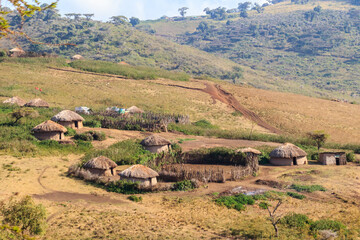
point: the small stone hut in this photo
(139, 173)
(37, 102)
(288, 155)
(15, 101)
(49, 130)
(156, 144)
(332, 158)
(77, 57)
(16, 52)
(252, 158)
(134, 109)
(69, 119)
(101, 166)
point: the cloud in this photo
(143, 9)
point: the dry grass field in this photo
(80, 211)
(291, 113)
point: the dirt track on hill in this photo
(217, 93)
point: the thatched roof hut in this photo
(156, 144)
(69, 118)
(77, 57)
(15, 101)
(139, 173)
(37, 102)
(49, 130)
(249, 150)
(16, 52)
(101, 166)
(134, 109)
(287, 155)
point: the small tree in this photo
(25, 214)
(134, 21)
(23, 112)
(183, 10)
(318, 8)
(319, 137)
(117, 20)
(273, 217)
(89, 16)
(203, 27)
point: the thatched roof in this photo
(139, 171)
(67, 116)
(288, 150)
(77, 57)
(134, 109)
(16, 50)
(101, 162)
(249, 150)
(49, 126)
(15, 100)
(155, 140)
(38, 102)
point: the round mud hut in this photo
(16, 52)
(139, 173)
(134, 109)
(49, 130)
(156, 144)
(77, 57)
(288, 155)
(15, 101)
(38, 102)
(101, 166)
(69, 119)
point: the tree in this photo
(203, 27)
(134, 21)
(274, 218)
(319, 137)
(244, 14)
(318, 8)
(23, 112)
(244, 6)
(258, 8)
(77, 16)
(117, 20)
(183, 10)
(88, 16)
(25, 214)
(217, 13)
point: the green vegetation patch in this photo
(128, 71)
(185, 185)
(135, 198)
(296, 195)
(307, 188)
(123, 186)
(237, 202)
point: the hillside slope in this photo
(292, 114)
(316, 53)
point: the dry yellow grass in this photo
(173, 215)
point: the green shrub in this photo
(92, 124)
(135, 198)
(350, 157)
(327, 224)
(185, 185)
(70, 132)
(204, 124)
(26, 214)
(99, 136)
(124, 187)
(295, 195)
(294, 220)
(305, 188)
(237, 202)
(84, 137)
(264, 205)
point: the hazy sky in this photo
(143, 9)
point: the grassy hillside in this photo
(293, 114)
(109, 42)
(316, 53)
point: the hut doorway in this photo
(295, 161)
(76, 124)
(337, 161)
(60, 137)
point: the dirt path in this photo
(217, 93)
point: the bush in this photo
(327, 224)
(310, 188)
(185, 185)
(92, 124)
(70, 132)
(237, 202)
(350, 157)
(26, 214)
(135, 198)
(294, 220)
(98, 136)
(295, 195)
(84, 137)
(204, 124)
(124, 187)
